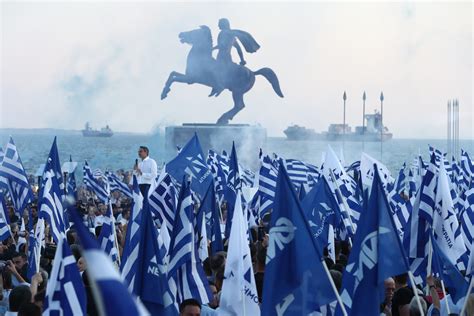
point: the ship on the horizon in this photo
(103, 132)
(373, 131)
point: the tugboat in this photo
(373, 131)
(104, 131)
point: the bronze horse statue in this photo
(202, 68)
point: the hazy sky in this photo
(63, 64)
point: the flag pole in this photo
(446, 300)
(412, 281)
(338, 297)
(471, 285)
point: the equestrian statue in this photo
(220, 73)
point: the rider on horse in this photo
(225, 41)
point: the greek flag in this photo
(234, 185)
(65, 293)
(94, 185)
(116, 184)
(247, 176)
(132, 239)
(35, 241)
(110, 295)
(298, 171)
(467, 218)
(467, 167)
(71, 188)
(50, 202)
(213, 161)
(266, 185)
(4, 222)
(14, 178)
(162, 202)
(185, 273)
(239, 292)
(376, 254)
(428, 194)
(107, 235)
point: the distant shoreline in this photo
(56, 131)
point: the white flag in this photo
(239, 292)
(445, 223)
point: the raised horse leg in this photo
(238, 106)
(174, 77)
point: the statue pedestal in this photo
(248, 139)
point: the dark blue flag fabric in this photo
(295, 280)
(191, 162)
(376, 254)
(152, 282)
(209, 209)
(233, 186)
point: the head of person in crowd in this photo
(214, 303)
(71, 236)
(415, 309)
(190, 307)
(19, 296)
(401, 280)
(20, 260)
(29, 309)
(389, 285)
(39, 298)
(218, 261)
(81, 264)
(143, 152)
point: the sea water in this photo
(120, 151)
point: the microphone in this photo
(136, 162)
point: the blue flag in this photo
(295, 281)
(376, 254)
(234, 185)
(209, 207)
(191, 162)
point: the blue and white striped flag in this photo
(163, 201)
(65, 293)
(50, 202)
(266, 185)
(467, 219)
(107, 238)
(116, 184)
(14, 178)
(110, 295)
(298, 171)
(185, 272)
(4, 222)
(220, 178)
(97, 187)
(132, 239)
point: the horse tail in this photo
(272, 78)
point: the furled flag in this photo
(190, 161)
(65, 293)
(376, 254)
(110, 295)
(185, 271)
(162, 201)
(209, 206)
(4, 222)
(107, 237)
(234, 185)
(94, 185)
(49, 199)
(14, 178)
(239, 292)
(220, 178)
(295, 281)
(131, 248)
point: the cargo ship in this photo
(103, 132)
(373, 131)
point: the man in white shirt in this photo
(146, 170)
